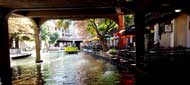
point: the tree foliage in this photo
(62, 24)
(100, 27)
(53, 38)
(21, 28)
(20, 25)
(44, 32)
(129, 20)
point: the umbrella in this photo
(94, 38)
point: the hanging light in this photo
(118, 10)
(129, 0)
(177, 10)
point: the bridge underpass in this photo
(43, 10)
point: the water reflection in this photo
(39, 80)
(76, 69)
(25, 75)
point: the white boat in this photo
(16, 53)
(22, 55)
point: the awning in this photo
(128, 30)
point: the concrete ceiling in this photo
(19, 4)
(65, 7)
(142, 5)
(91, 8)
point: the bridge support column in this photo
(6, 71)
(140, 48)
(140, 26)
(121, 19)
(37, 39)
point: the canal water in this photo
(64, 69)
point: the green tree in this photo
(62, 24)
(100, 27)
(50, 37)
(44, 33)
(53, 38)
(129, 20)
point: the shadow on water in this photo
(5, 75)
(27, 75)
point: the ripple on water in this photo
(76, 69)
